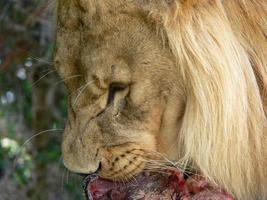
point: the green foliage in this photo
(52, 153)
(3, 153)
(74, 190)
(23, 172)
(14, 156)
(24, 39)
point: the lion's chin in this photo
(168, 185)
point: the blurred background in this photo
(32, 106)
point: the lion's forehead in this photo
(101, 16)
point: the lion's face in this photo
(124, 95)
(186, 79)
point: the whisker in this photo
(45, 71)
(158, 165)
(121, 180)
(40, 133)
(27, 141)
(50, 72)
(181, 163)
(151, 164)
(124, 178)
(62, 180)
(71, 77)
(164, 163)
(167, 167)
(163, 169)
(132, 177)
(68, 174)
(131, 180)
(42, 60)
(81, 91)
(77, 90)
(156, 170)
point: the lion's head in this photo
(175, 78)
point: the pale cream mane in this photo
(222, 53)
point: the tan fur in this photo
(190, 79)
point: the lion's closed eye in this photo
(113, 90)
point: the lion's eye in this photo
(113, 89)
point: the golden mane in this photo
(221, 50)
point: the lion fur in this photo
(220, 50)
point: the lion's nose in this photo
(79, 166)
(84, 175)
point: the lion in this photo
(186, 79)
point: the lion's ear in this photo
(223, 124)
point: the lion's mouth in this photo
(153, 186)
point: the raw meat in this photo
(154, 186)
